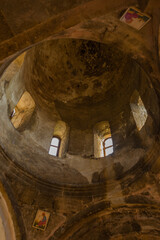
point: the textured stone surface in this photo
(83, 70)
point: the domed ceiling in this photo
(70, 70)
(75, 79)
(81, 83)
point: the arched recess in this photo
(23, 111)
(103, 222)
(61, 132)
(8, 225)
(138, 110)
(102, 133)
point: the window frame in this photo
(58, 147)
(104, 147)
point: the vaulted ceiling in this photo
(81, 65)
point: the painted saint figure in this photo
(42, 222)
(135, 18)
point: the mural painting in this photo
(134, 18)
(41, 220)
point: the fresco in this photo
(41, 220)
(134, 18)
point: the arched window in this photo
(103, 144)
(107, 146)
(54, 147)
(59, 143)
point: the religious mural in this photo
(41, 220)
(134, 18)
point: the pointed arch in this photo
(55, 146)
(59, 141)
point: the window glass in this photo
(108, 142)
(107, 146)
(108, 151)
(54, 147)
(55, 141)
(53, 151)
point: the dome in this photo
(72, 86)
(79, 120)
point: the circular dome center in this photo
(70, 70)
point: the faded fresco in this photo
(41, 220)
(134, 18)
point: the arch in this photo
(102, 137)
(9, 229)
(107, 146)
(55, 145)
(6, 224)
(59, 141)
(129, 223)
(138, 110)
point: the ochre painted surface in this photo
(81, 65)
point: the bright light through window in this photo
(54, 147)
(107, 146)
(55, 142)
(108, 151)
(108, 142)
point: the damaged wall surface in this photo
(74, 71)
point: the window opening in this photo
(54, 147)
(103, 143)
(107, 146)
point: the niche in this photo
(103, 143)
(59, 141)
(23, 111)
